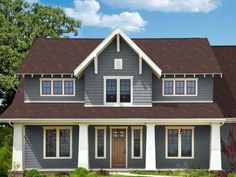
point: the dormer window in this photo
(180, 87)
(57, 87)
(118, 90)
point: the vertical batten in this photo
(83, 155)
(140, 64)
(18, 148)
(96, 65)
(118, 43)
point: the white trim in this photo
(83, 147)
(96, 141)
(118, 43)
(179, 141)
(28, 101)
(194, 74)
(182, 101)
(126, 151)
(57, 128)
(118, 61)
(185, 86)
(106, 42)
(96, 64)
(140, 65)
(118, 103)
(57, 79)
(140, 128)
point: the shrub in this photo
(232, 174)
(32, 173)
(103, 172)
(81, 172)
(5, 161)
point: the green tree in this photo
(20, 24)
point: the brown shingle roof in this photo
(19, 109)
(193, 55)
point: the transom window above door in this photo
(118, 90)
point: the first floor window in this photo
(179, 87)
(100, 142)
(179, 142)
(191, 87)
(68, 87)
(168, 87)
(46, 87)
(57, 87)
(57, 142)
(136, 142)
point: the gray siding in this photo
(142, 91)
(32, 91)
(224, 136)
(105, 163)
(205, 91)
(201, 150)
(34, 150)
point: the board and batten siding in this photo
(142, 83)
(34, 150)
(201, 150)
(32, 90)
(205, 90)
(105, 163)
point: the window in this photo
(57, 142)
(118, 63)
(100, 142)
(118, 90)
(136, 142)
(180, 87)
(57, 87)
(180, 142)
(46, 87)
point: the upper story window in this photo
(57, 87)
(118, 63)
(118, 90)
(180, 142)
(180, 87)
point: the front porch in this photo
(124, 145)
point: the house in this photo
(122, 103)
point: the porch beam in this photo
(83, 155)
(18, 148)
(150, 161)
(215, 148)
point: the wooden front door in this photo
(118, 148)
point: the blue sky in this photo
(214, 19)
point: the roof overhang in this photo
(117, 31)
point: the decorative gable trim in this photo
(117, 32)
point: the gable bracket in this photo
(118, 43)
(96, 64)
(140, 64)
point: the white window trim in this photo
(179, 141)
(57, 79)
(141, 142)
(118, 60)
(185, 86)
(57, 128)
(118, 78)
(96, 141)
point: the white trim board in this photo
(117, 31)
(28, 101)
(182, 101)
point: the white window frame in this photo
(117, 60)
(57, 79)
(179, 141)
(141, 142)
(118, 78)
(185, 86)
(57, 128)
(96, 141)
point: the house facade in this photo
(121, 103)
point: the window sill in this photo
(182, 158)
(57, 158)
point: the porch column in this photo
(215, 148)
(18, 148)
(150, 163)
(83, 152)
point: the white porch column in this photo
(83, 155)
(18, 148)
(215, 148)
(150, 163)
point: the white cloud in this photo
(167, 5)
(88, 12)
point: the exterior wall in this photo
(205, 90)
(105, 163)
(225, 129)
(32, 90)
(201, 150)
(142, 91)
(34, 150)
